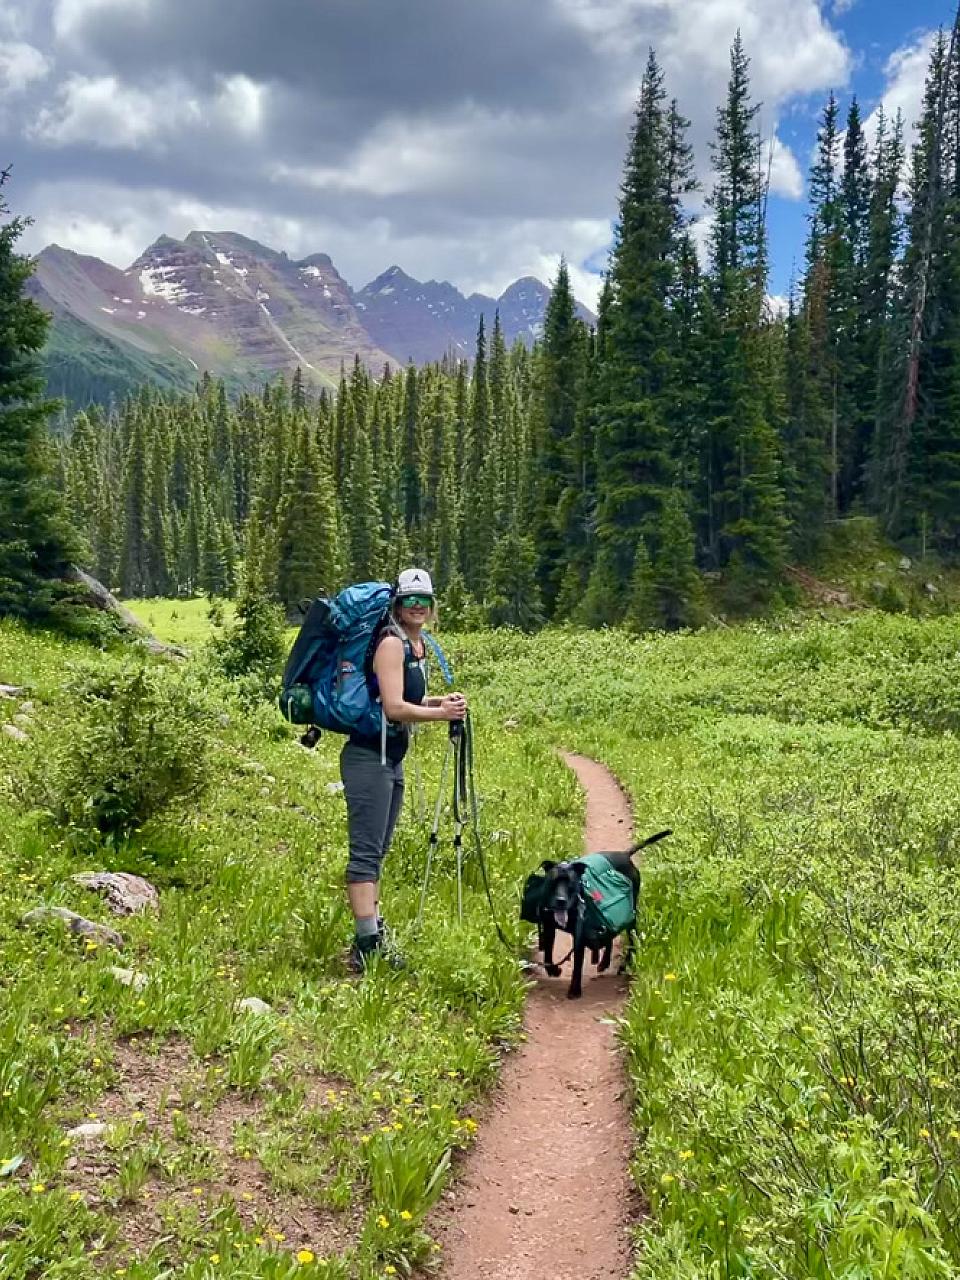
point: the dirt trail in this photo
(545, 1193)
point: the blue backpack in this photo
(328, 680)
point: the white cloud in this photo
(793, 49)
(20, 65)
(785, 176)
(70, 15)
(906, 71)
(103, 112)
(240, 103)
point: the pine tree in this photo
(411, 493)
(562, 361)
(677, 585)
(308, 537)
(743, 500)
(642, 613)
(475, 534)
(633, 462)
(512, 598)
(135, 577)
(37, 544)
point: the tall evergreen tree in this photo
(633, 461)
(37, 544)
(562, 360)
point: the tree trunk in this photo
(94, 595)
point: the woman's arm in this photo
(388, 668)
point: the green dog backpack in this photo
(607, 896)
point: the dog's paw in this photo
(574, 995)
(553, 970)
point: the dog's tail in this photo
(649, 840)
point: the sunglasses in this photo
(413, 602)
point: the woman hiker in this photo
(372, 767)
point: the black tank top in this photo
(414, 690)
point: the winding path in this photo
(545, 1194)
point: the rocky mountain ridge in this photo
(221, 303)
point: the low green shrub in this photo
(134, 740)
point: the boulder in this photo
(253, 1004)
(15, 732)
(79, 925)
(86, 1132)
(126, 894)
(128, 978)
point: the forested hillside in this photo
(601, 475)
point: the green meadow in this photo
(792, 1031)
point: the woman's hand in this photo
(453, 706)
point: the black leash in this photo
(465, 797)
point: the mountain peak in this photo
(212, 241)
(220, 302)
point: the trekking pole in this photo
(457, 734)
(432, 846)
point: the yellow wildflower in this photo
(38, 1188)
(406, 1215)
(924, 1133)
(305, 1256)
(686, 1155)
(383, 1222)
(669, 977)
(215, 1258)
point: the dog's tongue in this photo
(561, 918)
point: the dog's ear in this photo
(547, 865)
(579, 867)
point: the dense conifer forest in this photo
(696, 435)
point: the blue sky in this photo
(469, 142)
(873, 31)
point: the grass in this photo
(793, 1027)
(339, 1112)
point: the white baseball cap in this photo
(414, 582)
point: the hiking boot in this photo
(362, 951)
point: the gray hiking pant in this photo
(374, 795)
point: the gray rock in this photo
(253, 1004)
(333, 788)
(13, 731)
(905, 562)
(27, 708)
(128, 978)
(931, 588)
(253, 766)
(24, 721)
(11, 690)
(79, 925)
(85, 1132)
(223, 720)
(126, 894)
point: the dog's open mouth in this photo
(560, 916)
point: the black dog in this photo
(562, 907)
